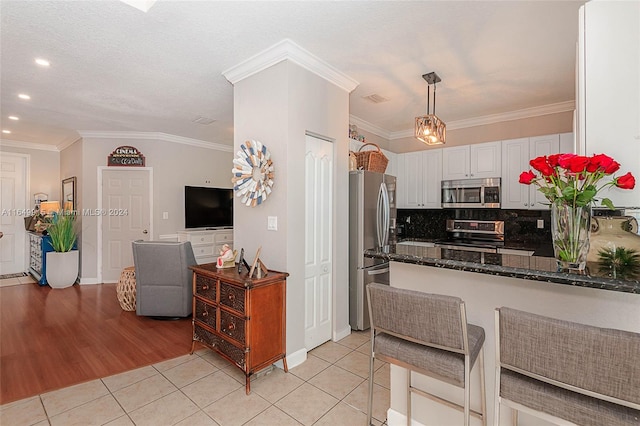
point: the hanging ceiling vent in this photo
(375, 98)
(203, 120)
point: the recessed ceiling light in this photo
(6, 131)
(42, 62)
(13, 117)
(24, 96)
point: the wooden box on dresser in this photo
(241, 318)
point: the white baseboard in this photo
(294, 359)
(89, 281)
(341, 334)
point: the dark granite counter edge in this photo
(507, 271)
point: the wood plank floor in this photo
(50, 339)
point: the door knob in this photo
(145, 231)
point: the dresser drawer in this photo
(232, 296)
(205, 313)
(199, 251)
(224, 237)
(232, 326)
(203, 335)
(196, 239)
(206, 287)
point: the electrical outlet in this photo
(165, 215)
(540, 224)
(272, 223)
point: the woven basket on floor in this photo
(374, 161)
(126, 289)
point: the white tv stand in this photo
(207, 242)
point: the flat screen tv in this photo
(208, 207)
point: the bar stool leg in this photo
(483, 393)
(370, 401)
(408, 397)
(467, 390)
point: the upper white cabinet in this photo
(609, 88)
(516, 154)
(418, 184)
(392, 168)
(471, 161)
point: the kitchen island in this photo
(528, 283)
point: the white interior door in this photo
(318, 241)
(13, 204)
(126, 217)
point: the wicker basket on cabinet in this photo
(371, 160)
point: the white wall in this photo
(44, 174)
(174, 166)
(277, 106)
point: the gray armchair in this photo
(163, 278)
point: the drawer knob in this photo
(232, 326)
(232, 297)
(205, 287)
(205, 313)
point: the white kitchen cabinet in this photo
(418, 184)
(471, 161)
(516, 154)
(608, 100)
(392, 168)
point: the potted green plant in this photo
(63, 262)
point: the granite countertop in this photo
(539, 268)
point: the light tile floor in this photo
(329, 388)
(8, 282)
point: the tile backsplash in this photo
(521, 226)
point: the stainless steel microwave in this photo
(471, 193)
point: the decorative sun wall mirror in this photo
(252, 173)
(69, 197)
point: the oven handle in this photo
(468, 248)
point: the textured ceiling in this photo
(115, 68)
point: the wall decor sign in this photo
(252, 173)
(126, 156)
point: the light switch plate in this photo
(165, 215)
(540, 223)
(272, 223)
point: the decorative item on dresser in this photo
(241, 318)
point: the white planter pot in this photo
(62, 268)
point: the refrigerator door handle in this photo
(386, 214)
(379, 217)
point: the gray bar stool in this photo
(428, 334)
(566, 373)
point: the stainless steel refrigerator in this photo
(372, 221)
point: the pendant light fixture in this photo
(429, 128)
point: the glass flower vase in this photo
(570, 227)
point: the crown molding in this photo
(155, 136)
(288, 50)
(369, 127)
(66, 144)
(28, 145)
(471, 122)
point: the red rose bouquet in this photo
(570, 183)
(572, 179)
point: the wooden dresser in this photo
(242, 319)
